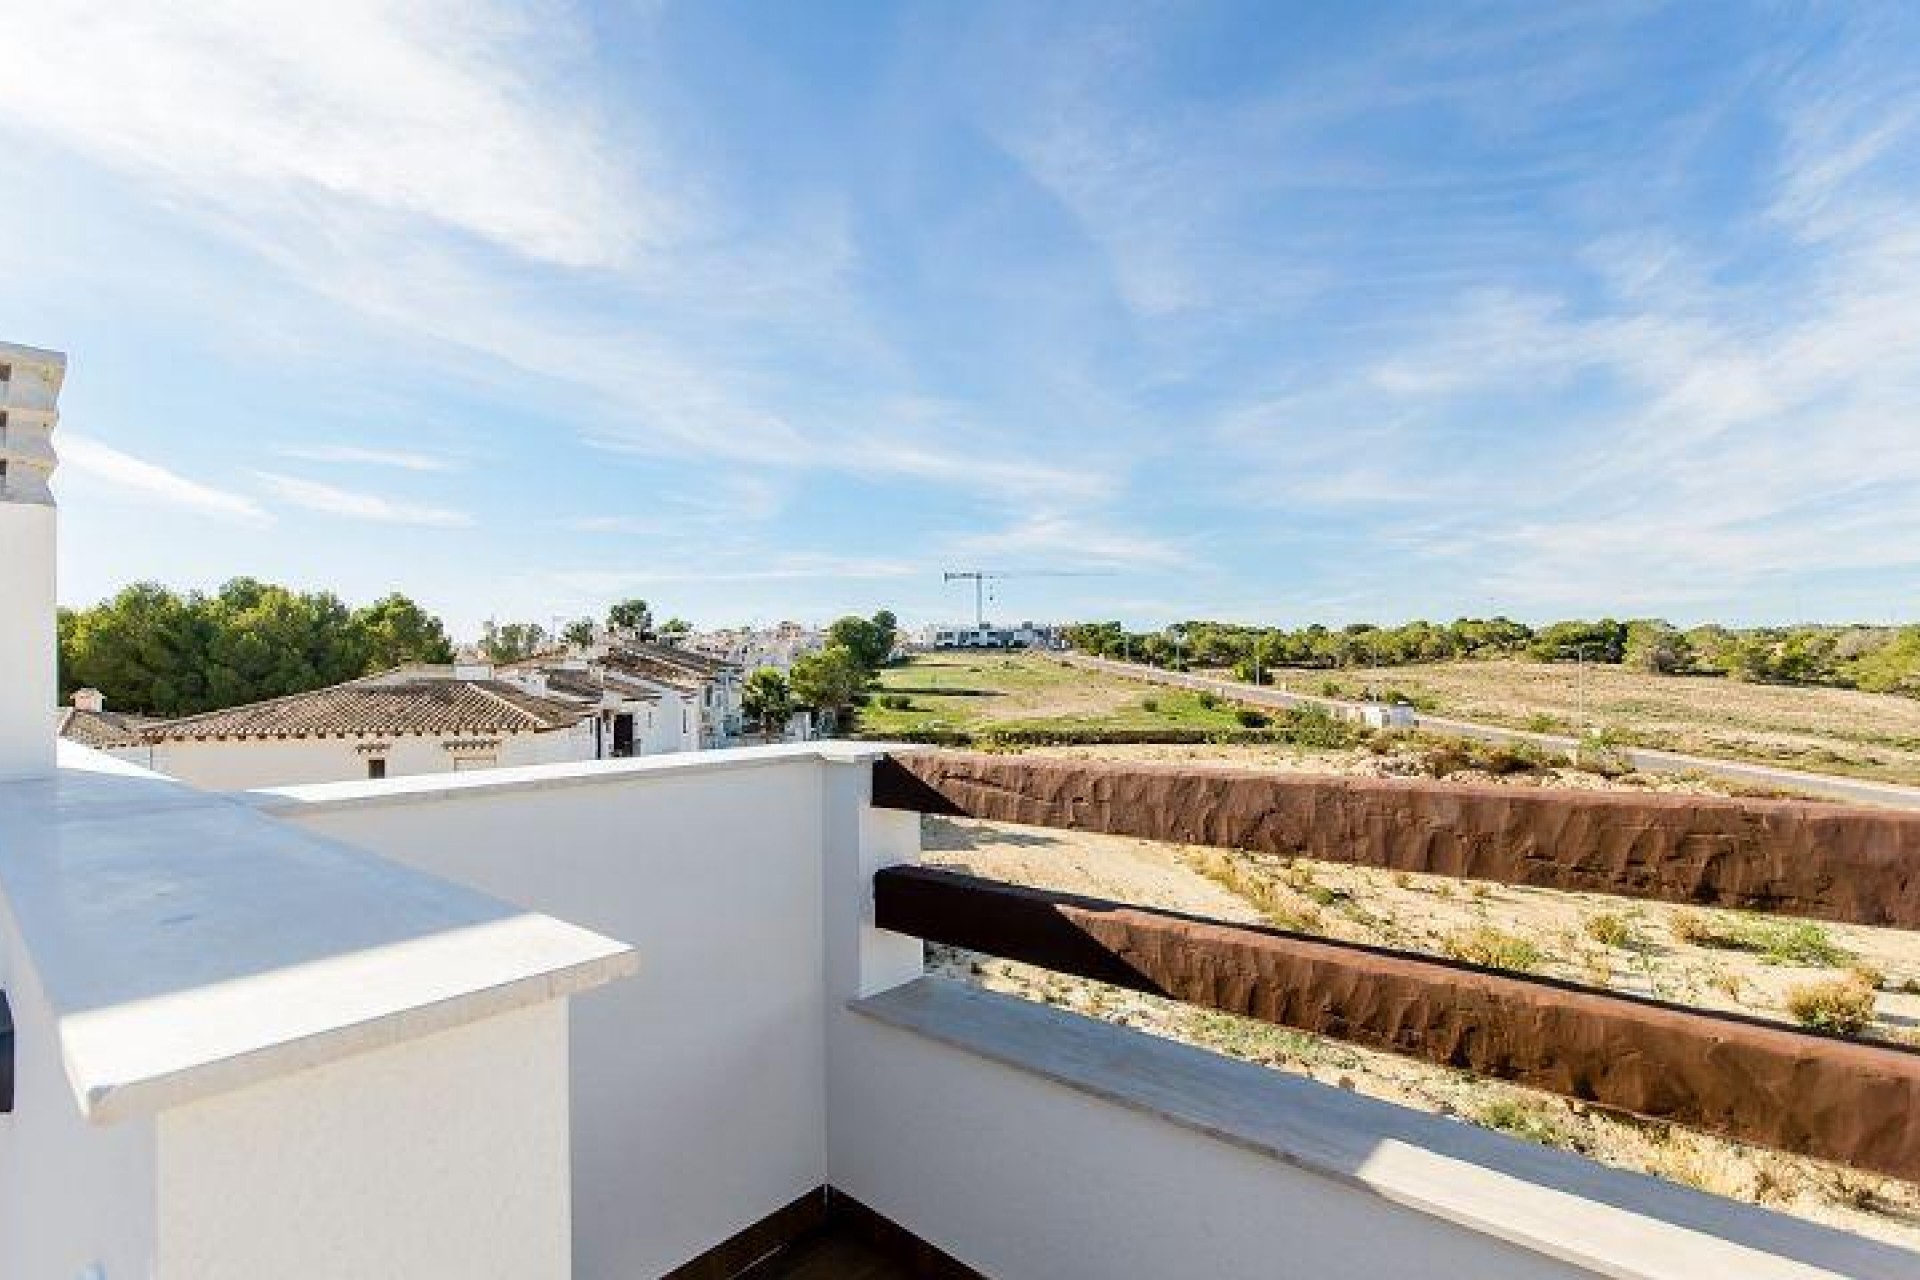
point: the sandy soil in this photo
(1410, 759)
(1834, 730)
(1425, 913)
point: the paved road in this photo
(1643, 758)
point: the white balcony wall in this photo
(445, 1157)
(699, 1085)
(245, 1051)
(733, 1074)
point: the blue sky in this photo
(1283, 313)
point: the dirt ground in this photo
(1713, 959)
(1410, 758)
(1871, 735)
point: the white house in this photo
(410, 720)
(632, 716)
(713, 687)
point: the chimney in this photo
(89, 700)
(29, 693)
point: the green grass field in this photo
(974, 691)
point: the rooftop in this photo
(402, 701)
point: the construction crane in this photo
(980, 577)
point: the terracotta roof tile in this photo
(389, 705)
(101, 728)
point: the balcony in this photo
(670, 1016)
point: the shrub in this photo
(1804, 943)
(1150, 705)
(1843, 1006)
(1493, 948)
(1501, 761)
(1317, 727)
(1251, 719)
(1610, 930)
(895, 701)
(1208, 701)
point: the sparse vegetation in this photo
(1493, 948)
(1804, 943)
(1531, 1121)
(1843, 1006)
(1610, 930)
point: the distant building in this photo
(751, 648)
(1025, 635)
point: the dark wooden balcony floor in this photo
(835, 1255)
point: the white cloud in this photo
(90, 458)
(429, 109)
(355, 505)
(356, 455)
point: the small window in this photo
(6, 373)
(376, 768)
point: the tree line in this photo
(1879, 659)
(160, 652)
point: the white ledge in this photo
(1607, 1221)
(428, 787)
(187, 945)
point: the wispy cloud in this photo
(432, 110)
(152, 482)
(351, 504)
(786, 568)
(358, 455)
(1066, 540)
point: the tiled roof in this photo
(677, 668)
(377, 706)
(101, 728)
(589, 685)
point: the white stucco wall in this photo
(699, 1085)
(72, 1195)
(246, 1051)
(27, 685)
(245, 764)
(443, 1158)
(1035, 1181)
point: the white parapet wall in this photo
(247, 1051)
(700, 1086)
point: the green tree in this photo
(579, 633)
(1893, 667)
(511, 641)
(264, 640)
(829, 680)
(146, 649)
(674, 630)
(631, 618)
(393, 631)
(869, 640)
(767, 699)
(1656, 646)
